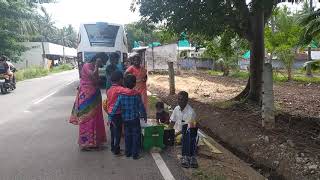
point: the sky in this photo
(75, 12)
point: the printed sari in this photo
(87, 111)
(141, 85)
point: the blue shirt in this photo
(131, 108)
(109, 70)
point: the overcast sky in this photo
(80, 11)
(74, 12)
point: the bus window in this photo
(102, 35)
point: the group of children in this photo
(125, 108)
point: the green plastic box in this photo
(153, 137)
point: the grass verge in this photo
(36, 72)
(277, 77)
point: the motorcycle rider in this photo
(5, 68)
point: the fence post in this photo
(268, 119)
(171, 78)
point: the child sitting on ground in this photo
(162, 116)
(112, 95)
(132, 109)
(183, 119)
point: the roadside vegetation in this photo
(36, 72)
(298, 76)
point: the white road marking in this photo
(164, 170)
(27, 111)
(52, 93)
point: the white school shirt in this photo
(182, 117)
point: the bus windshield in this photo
(102, 35)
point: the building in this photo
(156, 58)
(54, 53)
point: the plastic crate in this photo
(153, 137)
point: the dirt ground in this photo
(291, 151)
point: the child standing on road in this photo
(183, 119)
(112, 95)
(132, 109)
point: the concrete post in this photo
(268, 117)
(171, 78)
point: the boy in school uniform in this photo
(183, 119)
(113, 93)
(132, 109)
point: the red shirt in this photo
(114, 92)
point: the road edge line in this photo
(164, 170)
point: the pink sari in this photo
(141, 86)
(87, 111)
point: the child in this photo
(112, 94)
(162, 116)
(112, 67)
(132, 109)
(183, 119)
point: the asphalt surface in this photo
(38, 143)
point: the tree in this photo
(226, 50)
(16, 24)
(309, 21)
(146, 32)
(211, 18)
(285, 39)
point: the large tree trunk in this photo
(257, 57)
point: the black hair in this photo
(130, 81)
(4, 58)
(101, 55)
(116, 76)
(115, 55)
(184, 94)
(160, 105)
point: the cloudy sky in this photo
(74, 12)
(80, 11)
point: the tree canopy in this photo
(21, 21)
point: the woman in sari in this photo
(141, 75)
(87, 110)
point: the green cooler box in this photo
(152, 137)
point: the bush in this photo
(60, 68)
(29, 73)
(36, 71)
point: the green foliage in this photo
(146, 32)
(17, 24)
(226, 50)
(30, 73)
(36, 71)
(285, 40)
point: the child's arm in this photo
(115, 108)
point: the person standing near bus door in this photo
(112, 67)
(141, 75)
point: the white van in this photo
(101, 37)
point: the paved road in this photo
(37, 142)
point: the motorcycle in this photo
(7, 84)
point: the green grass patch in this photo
(36, 72)
(277, 77)
(240, 74)
(61, 68)
(215, 73)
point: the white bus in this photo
(101, 37)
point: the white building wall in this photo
(162, 55)
(33, 56)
